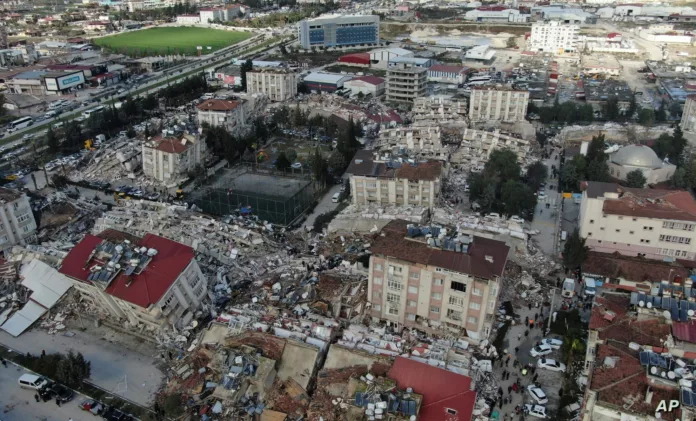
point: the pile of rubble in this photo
(372, 218)
(120, 160)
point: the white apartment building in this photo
(151, 281)
(222, 112)
(554, 37)
(416, 284)
(168, 159)
(188, 19)
(477, 145)
(688, 120)
(134, 5)
(380, 181)
(211, 14)
(423, 141)
(488, 103)
(406, 83)
(17, 224)
(651, 223)
(277, 84)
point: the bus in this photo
(20, 124)
(479, 79)
(88, 113)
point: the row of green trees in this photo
(70, 369)
(500, 188)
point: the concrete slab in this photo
(298, 362)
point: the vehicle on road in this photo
(552, 342)
(590, 287)
(536, 411)
(88, 113)
(32, 381)
(336, 197)
(297, 165)
(517, 219)
(61, 392)
(537, 394)
(551, 365)
(540, 350)
(568, 290)
(27, 136)
(92, 406)
(20, 123)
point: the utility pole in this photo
(553, 298)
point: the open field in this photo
(171, 40)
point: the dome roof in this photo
(636, 156)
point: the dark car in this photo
(113, 414)
(61, 392)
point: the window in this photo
(601, 228)
(451, 411)
(630, 232)
(456, 301)
(454, 314)
(411, 303)
(393, 298)
(618, 230)
(635, 219)
(475, 306)
(377, 281)
(458, 286)
(591, 221)
(394, 269)
(393, 310)
(437, 281)
(377, 295)
(589, 234)
(620, 217)
(413, 290)
(410, 316)
(25, 228)
(472, 320)
(168, 301)
(378, 267)
(476, 291)
(434, 309)
(414, 275)
(377, 307)
(23, 217)
(436, 296)
(395, 285)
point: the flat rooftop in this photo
(267, 185)
(600, 91)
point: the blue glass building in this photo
(336, 31)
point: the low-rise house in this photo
(445, 73)
(171, 158)
(221, 112)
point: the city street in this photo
(545, 220)
(19, 405)
(325, 205)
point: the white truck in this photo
(568, 290)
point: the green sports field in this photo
(171, 40)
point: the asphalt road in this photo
(545, 220)
(19, 405)
(325, 205)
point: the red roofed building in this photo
(152, 281)
(221, 112)
(447, 396)
(368, 85)
(356, 59)
(169, 158)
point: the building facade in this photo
(423, 141)
(221, 112)
(688, 120)
(641, 158)
(339, 31)
(477, 145)
(380, 181)
(554, 37)
(444, 73)
(168, 159)
(17, 223)
(650, 223)
(188, 19)
(276, 84)
(414, 284)
(367, 85)
(159, 284)
(405, 83)
(501, 104)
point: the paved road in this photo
(325, 205)
(545, 220)
(110, 362)
(19, 404)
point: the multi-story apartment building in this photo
(439, 282)
(338, 31)
(134, 5)
(150, 281)
(554, 37)
(424, 141)
(406, 83)
(488, 103)
(221, 112)
(651, 223)
(440, 108)
(386, 182)
(17, 224)
(688, 120)
(276, 84)
(477, 145)
(167, 159)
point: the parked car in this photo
(61, 392)
(537, 394)
(537, 411)
(552, 365)
(553, 343)
(297, 165)
(540, 350)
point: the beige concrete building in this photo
(440, 108)
(643, 158)
(553, 37)
(423, 141)
(688, 120)
(151, 281)
(477, 145)
(651, 223)
(17, 224)
(221, 112)
(414, 283)
(406, 83)
(167, 159)
(490, 103)
(604, 64)
(386, 182)
(276, 84)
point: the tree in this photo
(302, 88)
(282, 162)
(679, 179)
(678, 141)
(261, 130)
(73, 369)
(52, 141)
(511, 42)
(299, 117)
(663, 146)
(502, 164)
(575, 251)
(661, 113)
(611, 109)
(636, 179)
(632, 107)
(675, 109)
(586, 113)
(536, 174)
(337, 162)
(598, 171)
(517, 198)
(571, 175)
(646, 117)
(247, 66)
(595, 150)
(131, 133)
(291, 154)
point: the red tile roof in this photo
(632, 268)
(372, 80)
(150, 285)
(389, 116)
(447, 68)
(218, 105)
(170, 145)
(441, 389)
(645, 203)
(614, 303)
(684, 331)
(643, 332)
(392, 242)
(358, 58)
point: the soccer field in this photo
(173, 40)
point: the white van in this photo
(564, 235)
(590, 287)
(568, 288)
(32, 381)
(336, 197)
